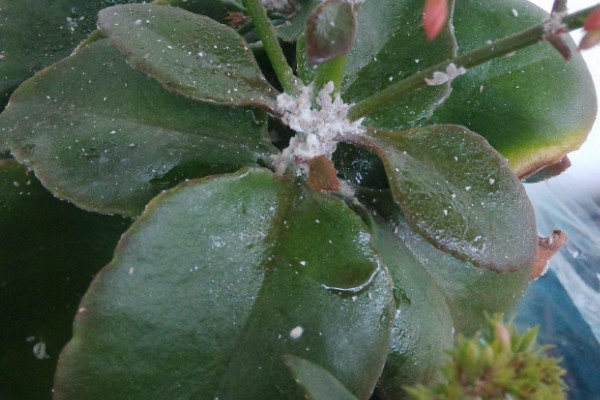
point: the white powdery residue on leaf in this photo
(319, 129)
(439, 78)
(297, 332)
(554, 24)
(39, 351)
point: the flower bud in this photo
(592, 29)
(434, 17)
(592, 22)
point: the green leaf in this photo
(214, 9)
(216, 282)
(396, 49)
(37, 33)
(187, 53)
(470, 292)
(330, 31)
(50, 251)
(316, 382)
(360, 167)
(533, 107)
(457, 191)
(289, 29)
(103, 136)
(423, 329)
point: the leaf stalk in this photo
(266, 32)
(468, 60)
(330, 71)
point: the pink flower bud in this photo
(590, 39)
(592, 22)
(434, 17)
(592, 28)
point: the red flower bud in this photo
(592, 22)
(592, 28)
(434, 17)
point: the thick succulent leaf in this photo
(457, 191)
(214, 9)
(102, 135)
(316, 382)
(188, 53)
(533, 106)
(216, 282)
(50, 251)
(330, 31)
(37, 33)
(288, 29)
(423, 329)
(470, 292)
(396, 49)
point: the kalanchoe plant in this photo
(322, 229)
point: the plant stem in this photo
(471, 59)
(559, 6)
(330, 71)
(266, 32)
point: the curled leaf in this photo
(547, 248)
(549, 171)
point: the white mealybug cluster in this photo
(319, 129)
(554, 23)
(39, 351)
(439, 78)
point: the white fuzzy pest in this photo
(439, 78)
(554, 23)
(297, 332)
(319, 129)
(39, 351)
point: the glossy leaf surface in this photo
(469, 291)
(216, 282)
(423, 329)
(214, 9)
(460, 194)
(316, 382)
(108, 139)
(330, 31)
(50, 251)
(391, 45)
(188, 53)
(37, 33)
(360, 167)
(533, 106)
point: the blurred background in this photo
(565, 302)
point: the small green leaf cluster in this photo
(496, 364)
